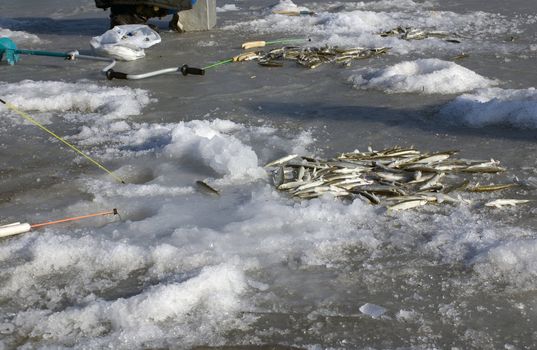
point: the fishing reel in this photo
(8, 47)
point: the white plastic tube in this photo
(14, 229)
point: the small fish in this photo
(248, 56)
(413, 203)
(310, 185)
(432, 182)
(207, 189)
(270, 63)
(291, 185)
(483, 169)
(460, 56)
(498, 203)
(369, 196)
(281, 160)
(489, 188)
(487, 167)
(435, 158)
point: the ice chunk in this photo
(372, 310)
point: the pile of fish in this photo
(408, 33)
(399, 178)
(310, 57)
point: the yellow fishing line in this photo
(36, 123)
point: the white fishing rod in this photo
(18, 227)
(76, 55)
(184, 69)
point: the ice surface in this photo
(425, 76)
(180, 269)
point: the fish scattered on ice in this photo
(399, 178)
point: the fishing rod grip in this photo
(111, 74)
(252, 44)
(185, 69)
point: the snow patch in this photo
(227, 8)
(83, 96)
(194, 312)
(514, 263)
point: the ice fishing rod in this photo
(186, 70)
(36, 123)
(262, 43)
(9, 48)
(17, 227)
(294, 13)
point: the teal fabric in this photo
(8, 47)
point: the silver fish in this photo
(207, 189)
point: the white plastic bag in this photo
(125, 42)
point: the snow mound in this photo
(19, 37)
(209, 142)
(425, 76)
(494, 106)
